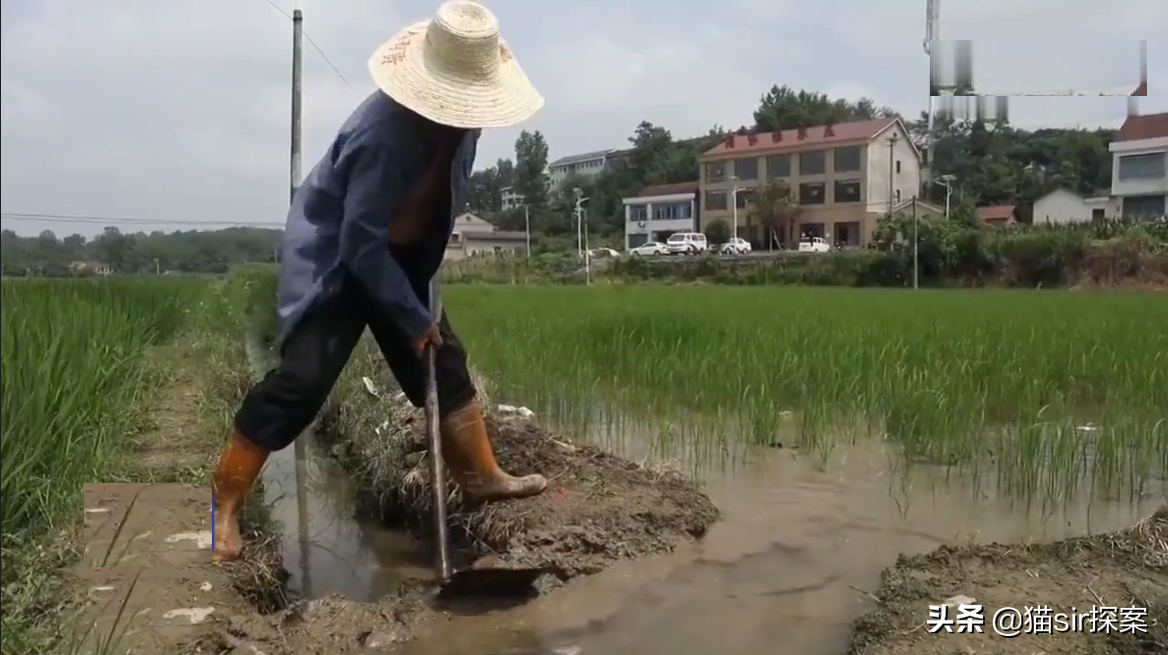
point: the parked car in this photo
(650, 249)
(599, 253)
(814, 244)
(735, 246)
(687, 243)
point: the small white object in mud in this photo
(195, 615)
(512, 409)
(1088, 427)
(206, 586)
(103, 588)
(567, 650)
(202, 538)
(97, 510)
(370, 387)
(959, 599)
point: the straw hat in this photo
(455, 70)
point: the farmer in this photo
(365, 234)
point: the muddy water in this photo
(325, 547)
(788, 567)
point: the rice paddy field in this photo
(1046, 392)
(1047, 395)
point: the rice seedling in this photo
(1041, 390)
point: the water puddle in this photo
(789, 567)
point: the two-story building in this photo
(1139, 153)
(658, 211)
(588, 164)
(841, 177)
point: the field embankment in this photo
(1115, 584)
(111, 382)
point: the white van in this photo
(814, 244)
(687, 243)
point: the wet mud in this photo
(598, 509)
(1125, 569)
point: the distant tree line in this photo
(194, 251)
(992, 163)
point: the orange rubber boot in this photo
(239, 466)
(471, 460)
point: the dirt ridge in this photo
(1128, 568)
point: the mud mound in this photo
(327, 626)
(598, 508)
(1126, 569)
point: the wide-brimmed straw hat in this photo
(455, 70)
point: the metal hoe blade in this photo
(484, 581)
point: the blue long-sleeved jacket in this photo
(340, 216)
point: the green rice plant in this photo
(71, 362)
(990, 380)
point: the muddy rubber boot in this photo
(239, 466)
(471, 460)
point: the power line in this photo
(114, 220)
(315, 47)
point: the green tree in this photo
(783, 108)
(718, 232)
(776, 210)
(531, 159)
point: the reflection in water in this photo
(801, 543)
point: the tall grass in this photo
(71, 363)
(1040, 389)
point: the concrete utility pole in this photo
(297, 88)
(947, 182)
(916, 249)
(527, 229)
(301, 446)
(580, 236)
(734, 201)
(892, 171)
(579, 224)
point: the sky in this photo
(170, 114)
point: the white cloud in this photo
(180, 111)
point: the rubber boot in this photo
(239, 466)
(466, 448)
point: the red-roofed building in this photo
(1141, 90)
(843, 177)
(659, 211)
(1139, 159)
(997, 215)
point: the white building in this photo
(659, 211)
(1064, 206)
(473, 236)
(588, 164)
(509, 199)
(1139, 157)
